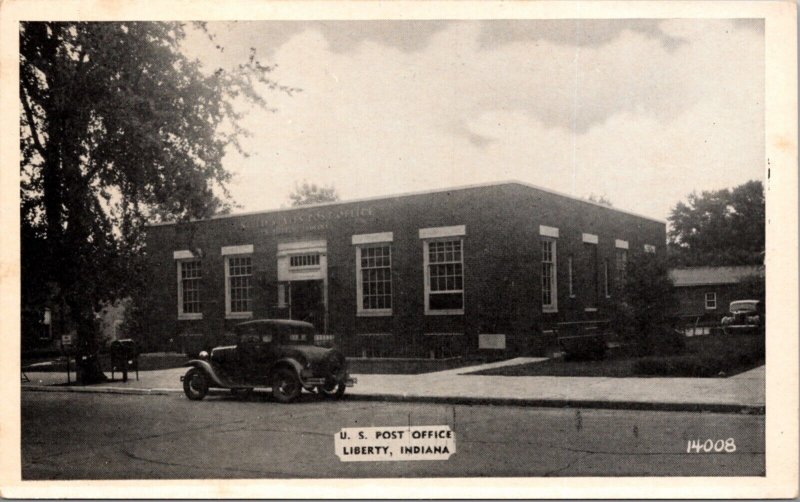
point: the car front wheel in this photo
(285, 385)
(195, 384)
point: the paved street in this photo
(102, 436)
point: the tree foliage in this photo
(646, 304)
(600, 199)
(310, 193)
(721, 227)
(118, 127)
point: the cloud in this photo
(644, 112)
(571, 32)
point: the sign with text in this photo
(372, 444)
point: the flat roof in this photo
(411, 194)
(708, 276)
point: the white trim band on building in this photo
(372, 238)
(620, 244)
(243, 249)
(590, 238)
(435, 232)
(183, 254)
(546, 231)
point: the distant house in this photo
(707, 291)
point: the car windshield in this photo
(744, 306)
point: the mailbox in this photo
(124, 356)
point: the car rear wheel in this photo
(334, 390)
(195, 384)
(286, 386)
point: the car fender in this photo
(292, 363)
(209, 371)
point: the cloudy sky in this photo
(641, 111)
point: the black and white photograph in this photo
(449, 247)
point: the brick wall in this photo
(502, 265)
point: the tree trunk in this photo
(87, 350)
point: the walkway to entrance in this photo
(488, 366)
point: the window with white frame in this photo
(549, 287)
(444, 267)
(711, 301)
(592, 279)
(238, 290)
(569, 276)
(621, 265)
(374, 279)
(189, 277)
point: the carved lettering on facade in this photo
(307, 221)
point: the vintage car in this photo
(274, 353)
(745, 316)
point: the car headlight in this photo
(752, 319)
(203, 354)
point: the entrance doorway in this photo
(303, 281)
(307, 302)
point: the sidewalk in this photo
(742, 392)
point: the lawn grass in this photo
(703, 357)
(410, 366)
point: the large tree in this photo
(118, 126)
(720, 227)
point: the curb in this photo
(478, 401)
(568, 403)
(101, 390)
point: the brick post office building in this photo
(439, 273)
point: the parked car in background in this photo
(745, 316)
(274, 353)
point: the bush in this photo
(643, 317)
(583, 348)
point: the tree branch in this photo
(32, 123)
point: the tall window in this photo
(190, 275)
(711, 301)
(569, 276)
(374, 278)
(621, 265)
(444, 270)
(238, 275)
(549, 291)
(606, 288)
(590, 252)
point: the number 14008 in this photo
(710, 445)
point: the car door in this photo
(265, 356)
(247, 357)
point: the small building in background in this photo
(704, 293)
